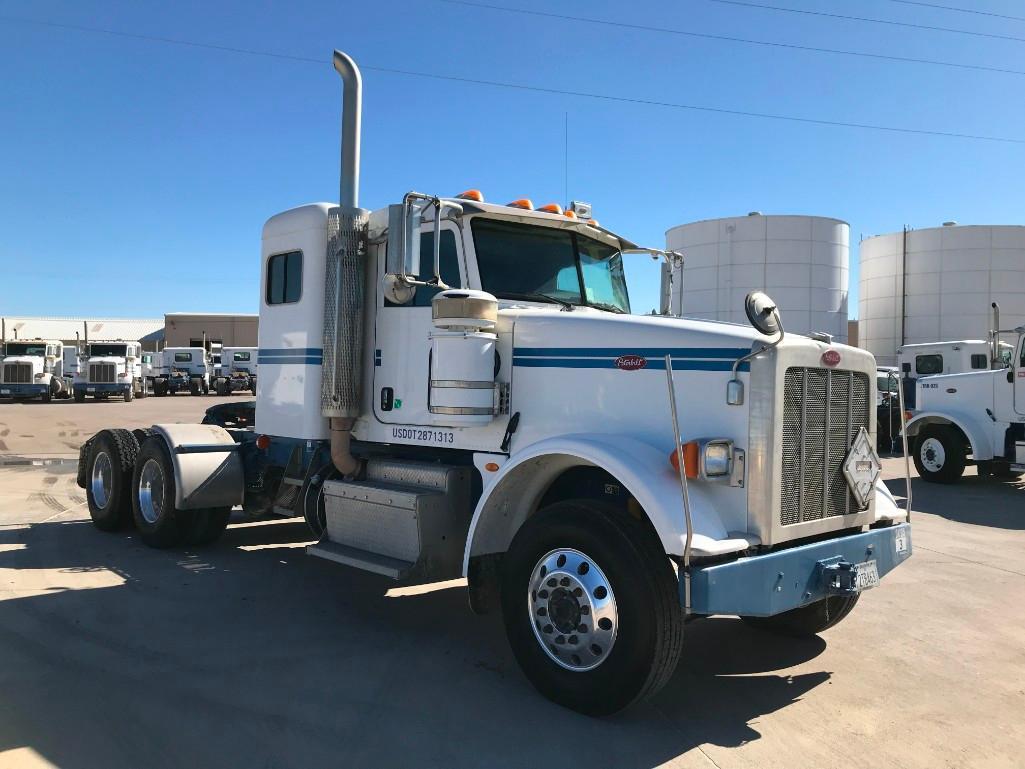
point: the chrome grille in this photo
(101, 373)
(17, 373)
(823, 410)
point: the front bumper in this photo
(22, 390)
(101, 387)
(764, 585)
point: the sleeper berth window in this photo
(285, 278)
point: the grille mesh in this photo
(823, 410)
(17, 373)
(101, 373)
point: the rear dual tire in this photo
(108, 478)
(159, 522)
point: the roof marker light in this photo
(570, 214)
(524, 203)
(593, 223)
(551, 208)
(475, 195)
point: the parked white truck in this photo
(600, 477)
(183, 369)
(238, 371)
(33, 368)
(111, 368)
(976, 417)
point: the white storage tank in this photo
(802, 262)
(939, 285)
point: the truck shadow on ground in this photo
(249, 653)
(981, 501)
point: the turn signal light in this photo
(491, 467)
(593, 222)
(551, 208)
(571, 214)
(263, 442)
(690, 459)
(525, 203)
(476, 195)
(908, 416)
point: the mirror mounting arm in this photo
(735, 388)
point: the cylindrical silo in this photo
(800, 261)
(937, 285)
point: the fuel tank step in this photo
(361, 559)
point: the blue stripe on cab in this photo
(732, 353)
(285, 361)
(291, 351)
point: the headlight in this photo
(716, 458)
(40, 376)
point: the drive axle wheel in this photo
(153, 491)
(939, 454)
(590, 605)
(108, 478)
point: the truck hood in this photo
(107, 359)
(34, 360)
(611, 336)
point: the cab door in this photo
(402, 352)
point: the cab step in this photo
(361, 559)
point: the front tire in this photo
(129, 394)
(807, 621)
(940, 454)
(79, 396)
(590, 605)
(112, 455)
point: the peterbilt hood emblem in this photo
(831, 358)
(861, 468)
(631, 362)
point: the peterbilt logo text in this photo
(631, 362)
(830, 358)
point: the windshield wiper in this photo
(539, 297)
(607, 307)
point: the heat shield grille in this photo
(343, 312)
(823, 410)
(101, 373)
(17, 373)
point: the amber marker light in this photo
(690, 459)
(525, 203)
(476, 195)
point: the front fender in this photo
(643, 470)
(982, 446)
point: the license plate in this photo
(5, 392)
(90, 389)
(866, 575)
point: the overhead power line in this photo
(870, 20)
(727, 38)
(976, 11)
(524, 86)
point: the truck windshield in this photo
(108, 350)
(182, 357)
(521, 261)
(25, 348)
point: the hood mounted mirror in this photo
(764, 316)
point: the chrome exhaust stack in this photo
(343, 286)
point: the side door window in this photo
(927, 365)
(402, 344)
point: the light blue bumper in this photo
(101, 387)
(22, 390)
(764, 585)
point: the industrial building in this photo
(801, 261)
(149, 331)
(189, 329)
(937, 284)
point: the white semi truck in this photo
(33, 368)
(599, 477)
(111, 368)
(183, 369)
(971, 418)
(238, 370)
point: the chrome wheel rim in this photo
(572, 610)
(932, 454)
(100, 482)
(151, 491)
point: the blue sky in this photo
(136, 175)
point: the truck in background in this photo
(33, 368)
(111, 368)
(597, 477)
(72, 365)
(975, 418)
(182, 369)
(238, 370)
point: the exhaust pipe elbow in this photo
(352, 103)
(341, 455)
